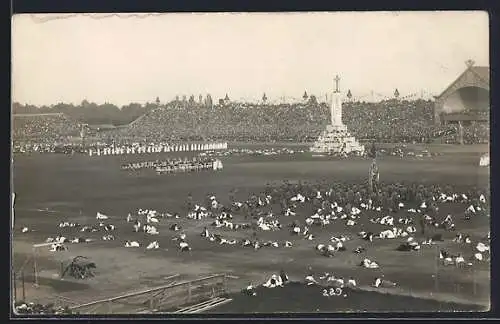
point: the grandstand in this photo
(460, 114)
(43, 128)
(465, 105)
(385, 121)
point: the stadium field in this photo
(53, 188)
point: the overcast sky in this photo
(136, 59)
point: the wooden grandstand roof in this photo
(481, 73)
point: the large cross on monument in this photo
(337, 79)
(336, 107)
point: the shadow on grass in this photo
(298, 298)
(58, 284)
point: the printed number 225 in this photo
(332, 292)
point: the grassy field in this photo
(54, 188)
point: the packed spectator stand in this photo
(388, 121)
(43, 132)
(44, 128)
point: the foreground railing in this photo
(159, 298)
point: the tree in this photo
(149, 106)
(157, 101)
(226, 98)
(177, 98)
(396, 93)
(313, 100)
(191, 100)
(264, 97)
(17, 108)
(44, 109)
(184, 98)
(305, 96)
(131, 112)
(349, 94)
(200, 99)
(106, 114)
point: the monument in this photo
(336, 139)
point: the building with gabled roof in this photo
(467, 99)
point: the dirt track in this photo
(70, 185)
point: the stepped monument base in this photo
(336, 139)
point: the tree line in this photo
(110, 114)
(89, 112)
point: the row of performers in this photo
(157, 148)
(170, 166)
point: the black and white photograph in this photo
(250, 163)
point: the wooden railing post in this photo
(224, 284)
(151, 303)
(14, 288)
(436, 271)
(474, 282)
(24, 290)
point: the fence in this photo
(159, 298)
(461, 284)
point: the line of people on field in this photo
(176, 165)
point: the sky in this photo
(69, 58)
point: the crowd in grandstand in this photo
(44, 129)
(392, 121)
(475, 133)
(389, 121)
